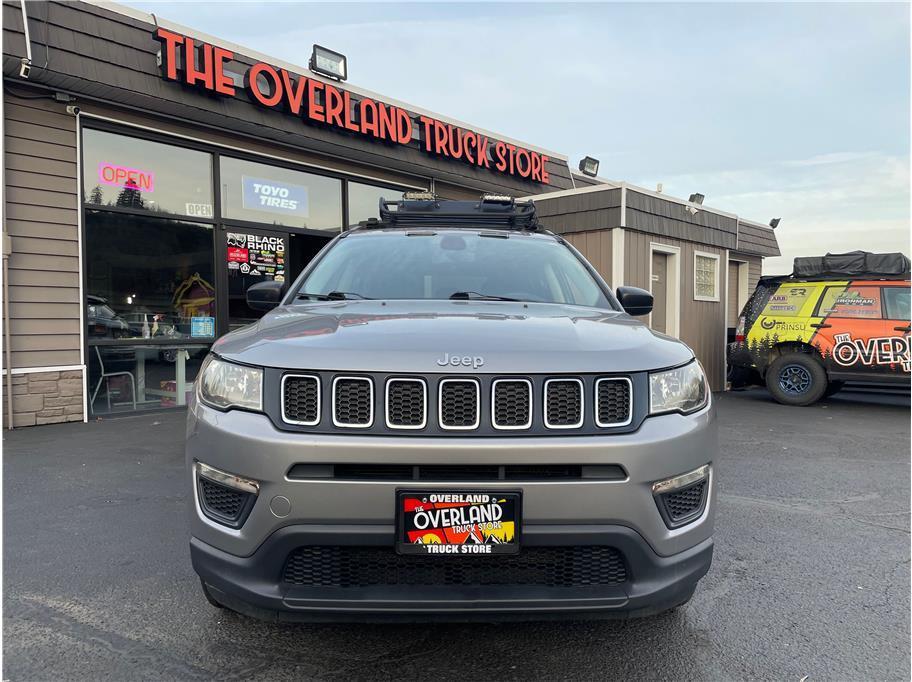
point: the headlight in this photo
(678, 390)
(225, 385)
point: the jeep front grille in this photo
(439, 404)
(511, 404)
(353, 402)
(563, 403)
(406, 403)
(612, 398)
(301, 399)
(460, 403)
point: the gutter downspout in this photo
(7, 248)
(25, 65)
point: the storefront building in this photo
(152, 173)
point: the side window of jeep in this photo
(851, 302)
(898, 303)
(789, 300)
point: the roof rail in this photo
(426, 210)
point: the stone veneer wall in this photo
(45, 398)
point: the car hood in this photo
(424, 336)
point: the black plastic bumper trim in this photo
(252, 585)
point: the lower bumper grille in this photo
(684, 505)
(352, 567)
(222, 504)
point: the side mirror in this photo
(635, 301)
(265, 295)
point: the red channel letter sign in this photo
(321, 103)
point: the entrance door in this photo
(251, 256)
(254, 255)
(659, 292)
(734, 303)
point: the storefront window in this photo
(127, 172)
(141, 377)
(148, 278)
(259, 193)
(364, 200)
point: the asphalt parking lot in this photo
(810, 577)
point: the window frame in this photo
(716, 298)
(883, 300)
(227, 220)
(161, 341)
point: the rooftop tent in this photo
(853, 264)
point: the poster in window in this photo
(272, 196)
(253, 255)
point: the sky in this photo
(795, 111)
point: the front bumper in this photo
(252, 585)
(243, 566)
(248, 445)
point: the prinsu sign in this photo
(322, 103)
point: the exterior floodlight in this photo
(329, 63)
(589, 166)
(659, 188)
(696, 199)
(774, 223)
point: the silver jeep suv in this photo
(450, 415)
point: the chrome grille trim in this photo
(629, 419)
(582, 397)
(444, 382)
(424, 405)
(285, 377)
(518, 427)
(370, 384)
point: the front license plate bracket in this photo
(458, 522)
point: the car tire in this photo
(209, 597)
(796, 379)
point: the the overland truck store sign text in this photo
(202, 65)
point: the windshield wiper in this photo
(333, 296)
(475, 296)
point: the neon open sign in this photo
(130, 178)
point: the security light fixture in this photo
(659, 188)
(696, 199)
(329, 63)
(589, 166)
(774, 223)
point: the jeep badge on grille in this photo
(474, 362)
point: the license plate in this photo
(459, 522)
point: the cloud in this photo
(832, 157)
(860, 201)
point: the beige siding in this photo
(41, 217)
(595, 247)
(755, 268)
(702, 322)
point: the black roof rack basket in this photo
(493, 211)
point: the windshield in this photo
(458, 265)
